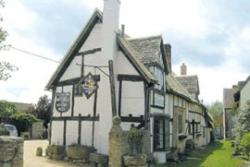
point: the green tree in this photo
(43, 109)
(9, 114)
(245, 144)
(244, 120)
(6, 110)
(5, 67)
(216, 110)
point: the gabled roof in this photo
(133, 55)
(175, 87)
(95, 18)
(150, 49)
(23, 107)
(242, 84)
(190, 82)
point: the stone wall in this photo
(119, 146)
(37, 130)
(11, 151)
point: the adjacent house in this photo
(229, 105)
(24, 107)
(106, 73)
(235, 99)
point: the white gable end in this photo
(93, 41)
(123, 65)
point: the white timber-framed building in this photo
(106, 73)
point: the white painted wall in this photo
(85, 106)
(57, 132)
(87, 133)
(245, 95)
(72, 131)
(123, 66)
(92, 42)
(133, 98)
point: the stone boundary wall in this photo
(119, 146)
(11, 151)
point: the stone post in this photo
(117, 145)
(11, 151)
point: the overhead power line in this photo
(56, 61)
(34, 54)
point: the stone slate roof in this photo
(190, 82)
(228, 97)
(148, 47)
(174, 86)
(133, 55)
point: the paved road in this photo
(31, 160)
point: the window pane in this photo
(159, 134)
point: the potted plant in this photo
(135, 141)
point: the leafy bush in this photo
(9, 114)
(135, 140)
(22, 121)
(6, 110)
(3, 131)
(245, 144)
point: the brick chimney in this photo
(168, 56)
(110, 27)
(183, 69)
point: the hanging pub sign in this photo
(89, 85)
(62, 101)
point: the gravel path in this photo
(31, 160)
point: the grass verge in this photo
(218, 154)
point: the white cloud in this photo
(28, 83)
(17, 16)
(158, 16)
(187, 19)
(92, 4)
(143, 18)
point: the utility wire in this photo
(34, 54)
(56, 61)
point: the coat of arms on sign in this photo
(89, 85)
(63, 101)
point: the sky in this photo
(210, 36)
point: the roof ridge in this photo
(180, 76)
(183, 89)
(146, 37)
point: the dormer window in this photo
(159, 76)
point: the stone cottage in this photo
(106, 73)
(235, 98)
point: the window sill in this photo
(198, 134)
(160, 150)
(182, 136)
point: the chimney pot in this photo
(123, 30)
(183, 69)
